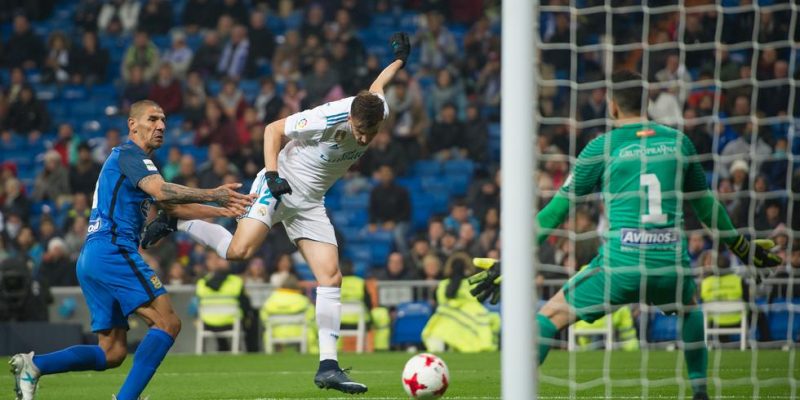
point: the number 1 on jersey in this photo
(653, 187)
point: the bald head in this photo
(139, 108)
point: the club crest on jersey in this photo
(301, 123)
(262, 211)
(150, 166)
(156, 282)
(339, 135)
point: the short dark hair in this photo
(629, 96)
(367, 108)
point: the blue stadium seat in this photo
(74, 92)
(426, 168)
(411, 320)
(360, 269)
(304, 272)
(355, 201)
(662, 328)
(494, 130)
(420, 214)
(46, 92)
(780, 312)
(434, 184)
(250, 88)
(459, 167)
(353, 218)
(358, 252)
(457, 184)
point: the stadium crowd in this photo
(221, 69)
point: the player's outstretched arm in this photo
(401, 47)
(201, 211)
(171, 193)
(274, 134)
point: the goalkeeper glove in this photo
(487, 282)
(277, 185)
(401, 46)
(762, 256)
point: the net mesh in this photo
(725, 74)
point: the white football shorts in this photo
(302, 218)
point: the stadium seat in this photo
(459, 167)
(294, 320)
(357, 201)
(423, 168)
(234, 334)
(360, 330)
(358, 252)
(304, 272)
(354, 218)
(780, 313)
(726, 307)
(662, 328)
(411, 320)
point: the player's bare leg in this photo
(247, 239)
(323, 258)
(164, 327)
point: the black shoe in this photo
(700, 396)
(337, 379)
(160, 227)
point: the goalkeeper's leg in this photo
(554, 316)
(694, 350)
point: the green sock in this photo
(546, 332)
(695, 351)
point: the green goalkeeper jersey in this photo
(644, 171)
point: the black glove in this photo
(762, 257)
(401, 46)
(487, 282)
(277, 185)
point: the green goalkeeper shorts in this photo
(596, 289)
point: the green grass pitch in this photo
(473, 376)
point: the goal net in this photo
(724, 73)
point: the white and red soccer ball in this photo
(425, 376)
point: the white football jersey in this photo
(322, 147)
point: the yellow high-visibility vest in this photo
(722, 288)
(353, 292)
(228, 293)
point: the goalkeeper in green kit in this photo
(645, 171)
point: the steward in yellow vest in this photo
(621, 322)
(727, 286)
(460, 321)
(220, 287)
(290, 300)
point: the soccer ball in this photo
(425, 376)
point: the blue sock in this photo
(75, 358)
(148, 356)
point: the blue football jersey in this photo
(119, 207)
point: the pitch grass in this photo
(473, 376)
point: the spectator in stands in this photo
(166, 90)
(484, 194)
(447, 90)
(396, 269)
(283, 269)
(314, 21)
(231, 99)
(676, 75)
(57, 269)
(236, 9)
(177, 274)
(207, 56)
(437, 45)
(593, 112)
(488, 84)
(268, 103)
(142, 53)
(407, 120)
(490, 231)
(390, 208)
(59, 61)
(80, 210)
(263, 42)
(26, 245)
(220, 286)
(66, 144)
(744, 148)
(460, 214)
(218, 128)
(287, 54)
(383, 151)
(24, 48)
(46, 229)
(53, 182)
(156, 17)
(84, 173)
(256, 271)
(774, 100)
(126, 11)
(76, 237)
(770, 217)
(173, 165)
(476, 135)
(312, 50)
(431, 267)
(445, 141)
(102, 146)
(27, 115)
(701, 139)
(14, 200)
(90, 61)
(136, 87)
(215, 173)
(16, 82)
(233, 61)
(697, 245)
(419, 249)
(179, 55)
(294, 98)
(85, 17)
(186, 172)
(194, 96)
(322, 84)
(200, 14)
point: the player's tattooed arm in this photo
(171, 193)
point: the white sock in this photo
(208, 234)
(329, 316)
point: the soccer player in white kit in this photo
(323, 143)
